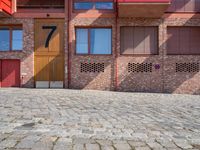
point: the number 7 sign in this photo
(53, 29)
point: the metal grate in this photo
(92, 67)
(140, 67)
(187, 67)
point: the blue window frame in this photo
(11, 39)
(94, 41)
(93, 5)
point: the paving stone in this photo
(122, 146)
(63, 144)
(142, 148)
(183, 144)
(78, 147)
(8, 144)
(106, 147)
(92, 147)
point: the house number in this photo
(53, 29)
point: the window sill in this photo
(3, 51)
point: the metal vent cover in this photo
(187, 67)
(92, 67)
(140, 67)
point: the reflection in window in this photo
(100, 41)
(82, 41)
(4, 39)
(17, 40)
(93, 41)
(104, 5)
(93, 5)
(83, 5)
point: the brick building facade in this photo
(153, 45)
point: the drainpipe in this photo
(68, 40)
(116, 45)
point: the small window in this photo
(83, 5)
(11, 38)
(93, 41)
(93, 5)
(104, 5)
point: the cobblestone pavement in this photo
(94, 120)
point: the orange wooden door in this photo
(49, 53)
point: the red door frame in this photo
(1, 70)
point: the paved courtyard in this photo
(94, 120)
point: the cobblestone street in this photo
(94, 120)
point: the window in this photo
(93, 41)
(93, 5)
(183, 40)
(11, 38)
(139, 40)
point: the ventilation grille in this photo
(92, 67)
(187, 67)
(140, 67)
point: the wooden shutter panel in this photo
(180, 5)
(195, 40)
(127, 40)
(190, 5)
(151, 40)
(173, 40)
(184, 36)
(139, 40)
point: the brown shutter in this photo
(195, 40)
(172, 7)
(127, 40)
(184, 42)
(190, 5)
(180, 4)
(139, 40)
(151, 40)
(173, 40)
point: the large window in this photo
(139, 40)
(93, 5)
(183, 40)
(93, 41)
(11, 38)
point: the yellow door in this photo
(49, 53)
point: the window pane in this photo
(81, 41)
(83, 5)
(104, 5)
(4, 40)
(17, 39)
(100, 41)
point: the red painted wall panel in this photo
(6, 5)
(10, 73)
(144, 1)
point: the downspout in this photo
(68, 44)
(116, 46)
